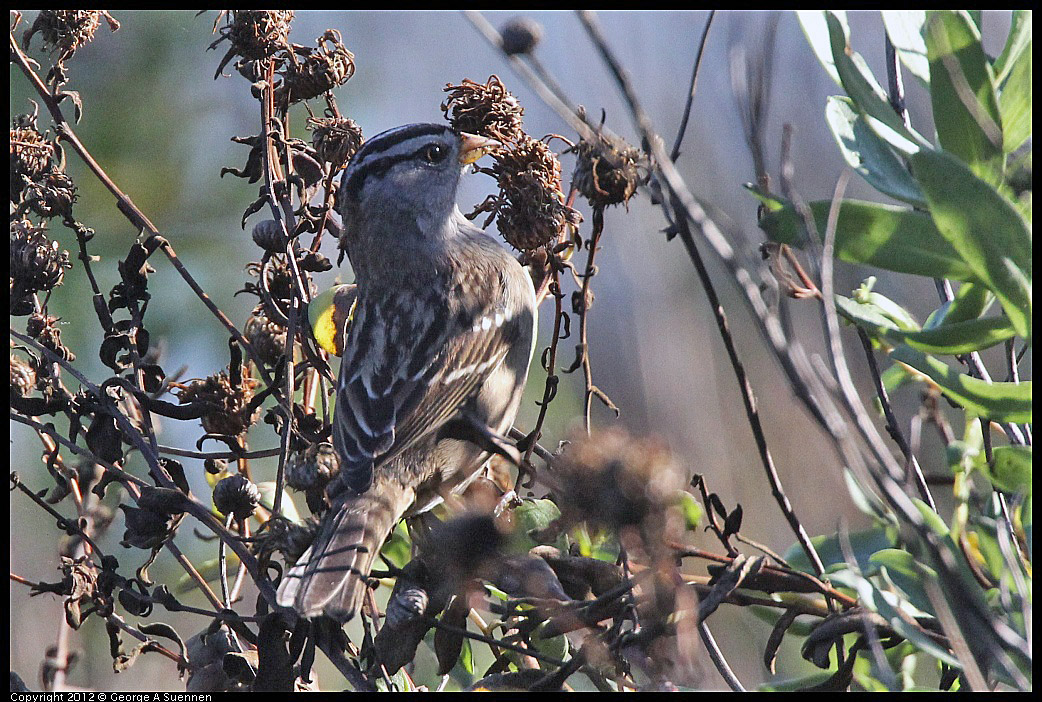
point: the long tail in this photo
(329, 579)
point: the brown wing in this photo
(407, 370)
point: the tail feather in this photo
(329, 579)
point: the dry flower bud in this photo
(520, 35)
(487, 110)
(236, 495)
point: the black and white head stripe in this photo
(386, 149)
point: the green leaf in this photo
(970, 302)
(1017, 43)
(868, 154)
(1002, 402)
(1026, 520)
(466, 656)
(817, 31)
(957, 338)
(931, 518)
(862, 543)
(905, 29)
(892, 238)
(534, 515)
(1010, 469)
(963, 91)
(888, 606)
(863, 88)
(692, 510)
(983, 227)
(907, 573)
(896, 314)
(1015, 103)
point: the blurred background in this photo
(159, 123)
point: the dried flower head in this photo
(285, 537)
(229, 401)
(268, 235)
(608, 171)
(267, 337)
(65, 31)
(335, 140)
(23, 377)
(311, 71)
(313, 467)
(155, 519)
(79, 585)
(236, 495)
(255, 35)
(31, 153)
(44, 328)
(614, 479)
(487, 110)
(531, 209)
(521, 35)
(37, 262)
(53, 195)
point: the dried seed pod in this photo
(616, 480)
(255, 35)
(313, 467)
(487, 110)
(608, 171)
(521, 35)
(229, 401)
(267, 338)
(317, 70)
(31, 154)
(23, 377)
(51, 196)
(65, 31)
(44, 328)
(285, 537)
(531, 213)
(268, 235)
(154, 520)
(79, 585)
(236, 495)
(335, 139)
(37, 262)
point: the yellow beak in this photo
(473, 147)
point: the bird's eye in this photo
(435, 153)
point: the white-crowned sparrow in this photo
(443, 329)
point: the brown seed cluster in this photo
(38, 180)
(229, 399)
(313, 467)
(487, 110)
(335, 139)
(236, 495)
(65, 31)
(23, 377)
(521, 35)
(44, 328)
(531, 209)
(31, 154)
(254, 34)
(268, 338)
(37, 263)
(608, 171)
(614, 479)
(312, 71)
